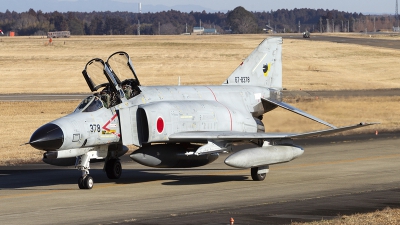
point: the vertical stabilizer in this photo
(263, 67)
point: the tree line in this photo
(237, 21)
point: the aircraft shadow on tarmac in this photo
(12, 179)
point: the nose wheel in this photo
(85, 182)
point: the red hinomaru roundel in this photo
(160, 125)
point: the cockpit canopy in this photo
(90, 104)
(114, 71)
(116, 77)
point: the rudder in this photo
(263, 67)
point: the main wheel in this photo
(113, 169)
(255, 176)
(88, 182)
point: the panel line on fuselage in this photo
(230, 115)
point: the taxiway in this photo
(331, 178)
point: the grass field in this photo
(30, 65)
(387, 216)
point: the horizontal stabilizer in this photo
(193, 136)
(295, 110)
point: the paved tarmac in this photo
(286, 94)
(367, 40)
(342, 93)
(42, 97)
(331, 178)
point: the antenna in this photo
(140, 11)
(397, 15)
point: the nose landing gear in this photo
(83, 164)
(85, 182)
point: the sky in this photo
(363, 6)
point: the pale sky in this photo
(363, 6)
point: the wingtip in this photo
(368, 124)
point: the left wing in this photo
(192, 136)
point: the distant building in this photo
(396, 29)
(198, 30)
(210, 31)
(58, 34)
(202, 30)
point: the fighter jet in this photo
(175, 126)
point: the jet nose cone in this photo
(47, 137)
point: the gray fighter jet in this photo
(175, 126)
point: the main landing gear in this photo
(112, 167)
(259, 173)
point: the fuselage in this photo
(181, 108)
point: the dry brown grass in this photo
(28, 65)
(20, 120)
(314, 65)
(384, 217)
(339, 112)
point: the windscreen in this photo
(94, 105)
(89, 104)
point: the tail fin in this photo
(263, 67)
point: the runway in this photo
(366, 40)
(329, 179)
(286, 94)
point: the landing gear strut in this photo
(259, 173)
(83, 164)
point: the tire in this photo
(113, 169)
(88, 182)
(255, 176)
(80, 183)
